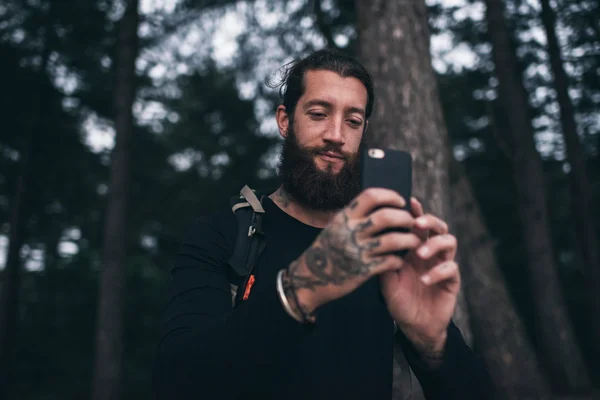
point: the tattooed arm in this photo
(351, 250)
(202, 336)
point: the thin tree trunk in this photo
(581, 192)
(11, 277)
(9, 300)
(322, 25)
(106, 383)
(558, 344)
(394, 46)
(499, 333)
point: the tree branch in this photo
(323, 26)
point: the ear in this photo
(283, 120)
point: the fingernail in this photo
(426, 279)
(421, 221)
(423, 251)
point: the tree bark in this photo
(394, 47)
(499, 333)
(558, 344)
(581, 192)
(109, 332)
(394, 44)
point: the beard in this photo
(323, 190)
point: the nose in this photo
(334, 132)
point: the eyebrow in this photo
(328, 105)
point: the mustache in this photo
(314, 151)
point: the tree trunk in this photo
(109, 332)
(499, 333)
(11, 277)
(394, 46)
(11, 282)
(562, 355)
(581, 192)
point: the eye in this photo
(317, 114)
(355, 122)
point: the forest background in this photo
(123, 121)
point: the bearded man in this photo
(329, 295)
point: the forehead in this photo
(329, 86)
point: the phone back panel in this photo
(390, 169)
(387, 168)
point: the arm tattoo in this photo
(290, 292)
(336, 258)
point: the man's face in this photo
(319, 164)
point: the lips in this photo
(331, 154)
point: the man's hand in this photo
(349, 250)
(421, 294)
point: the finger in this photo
(392, 242)
(416, 207)
(387, 263)
(446, 272)
(417, 211)
(442, 245)
(432, 223)
(421, 233)
(383, 219)
(373, 198)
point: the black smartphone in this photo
(389, 169)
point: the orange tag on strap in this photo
(248, 287)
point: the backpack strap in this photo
(250, 242)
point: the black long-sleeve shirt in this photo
(259, 351)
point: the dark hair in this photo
(292, 85)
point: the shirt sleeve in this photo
(462, 375)
(206, 349)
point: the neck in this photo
(308, 216)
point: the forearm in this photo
(204, 359)
(453, 372)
